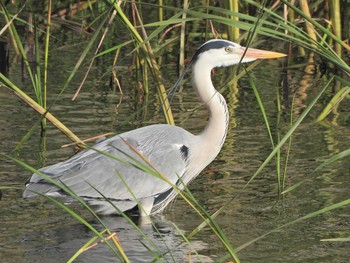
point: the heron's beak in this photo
(260, 54)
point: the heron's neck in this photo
(214, 134)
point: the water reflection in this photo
(62, 239)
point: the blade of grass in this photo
(338, 239)
(261, 106)
(85, 53)
(334, 158)
(38, 108)
(83, 248)
(46, 52)
(334, 102)
(96, 51)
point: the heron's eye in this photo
(228, 49)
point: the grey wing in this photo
(91, 172)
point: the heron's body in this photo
(179, 155)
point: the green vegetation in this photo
(303, 30)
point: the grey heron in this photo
(177, 153)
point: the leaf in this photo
(334, 102)
(333, 159)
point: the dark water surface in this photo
(37, 231)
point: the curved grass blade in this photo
(334, 158)
(84, 247)
(334, 102)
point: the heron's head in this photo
(223, 53)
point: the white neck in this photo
(214, 134)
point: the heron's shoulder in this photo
(153, 140)
(157, 133)
(159, 128)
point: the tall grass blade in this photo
(46, 51)
(336, 23)
(261, 106)
(182, 38)
(278, 146)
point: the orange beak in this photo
(260, 54)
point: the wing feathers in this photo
(165, 146)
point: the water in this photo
(37, 231)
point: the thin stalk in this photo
(336, 23)
(20, 46)
(38, 108)
(46, 53)
(145, 79)
(310, 67)
(157, 75)
(304, 6)
(182, 38)
(233, 32)
(38, 87)
(150, 60)
(278, 159)
(115, 79)
(96, 51)
(160, 10)
(288, 149)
